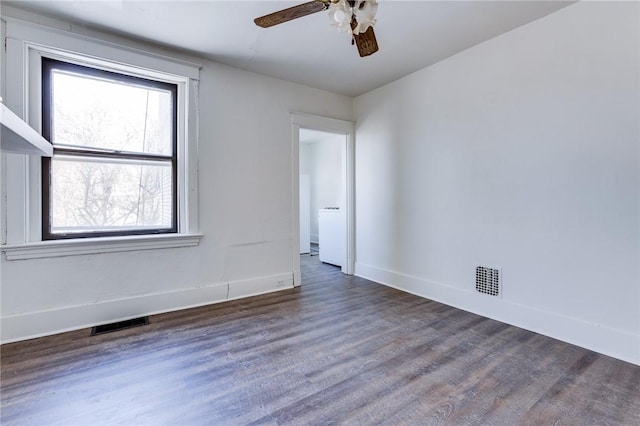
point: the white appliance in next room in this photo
(331, 235)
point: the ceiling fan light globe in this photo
(340, 15)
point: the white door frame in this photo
(331, 125)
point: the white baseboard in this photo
(43, 323)
(612, 342)
(261, 285)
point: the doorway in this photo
(323, 191)
(322, 195)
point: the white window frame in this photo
(21, 215)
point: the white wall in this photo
(245, 193)
(522, 153)
(322, 161)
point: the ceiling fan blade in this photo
(290, 13)
(366, 42)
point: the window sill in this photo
(84, 246)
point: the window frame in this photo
(48, 66)
(21, 223)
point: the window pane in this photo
(96, 195)
(90, 112)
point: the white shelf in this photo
(18, 137)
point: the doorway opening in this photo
(323, 186)
(323, 195)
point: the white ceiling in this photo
(411, 34)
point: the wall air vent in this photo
(120, 325)
(488, 280)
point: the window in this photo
(32, 213)
(114, 167)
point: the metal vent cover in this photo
(120, 325)
(488, 280)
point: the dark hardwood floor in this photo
(339, 350)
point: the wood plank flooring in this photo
(339, 350)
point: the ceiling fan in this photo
(353, 16)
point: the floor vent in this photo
(120, 325)
(488, 281)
